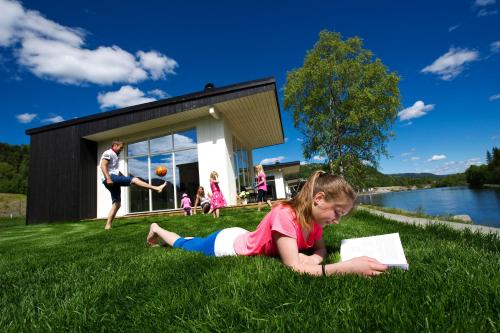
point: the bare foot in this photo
(151, 239)
(161, 187)
(107, 227)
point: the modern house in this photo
(211, 130)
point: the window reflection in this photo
(139, 198)
(186, 173)
(165, 199)
(186, 139)
(137, 148)
(161, 144)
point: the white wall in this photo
(215, 149)
(279, 184)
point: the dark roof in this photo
(280, 165)
(173, 100)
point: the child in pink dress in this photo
(288, 229)
(261, 187)
(186, 204)
(217, 200)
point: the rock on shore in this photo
(463, 217)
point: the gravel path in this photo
(424, 222)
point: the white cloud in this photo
(415, 158)
(495, 46)
(452, 63)
(157, 64)
(484, 2)
(484, 12)
(125, 96)
(286, 139)
(158, 93)
(25, 118)
(53, 119)
(300, 140)
(418, 109)
(436, 158)
(494, 97)
(12, 12)
(272, 160)
(303, 163)
(53, 51)
(318, 158)
(450, 29)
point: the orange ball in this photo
(161, 170)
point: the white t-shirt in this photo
(113, 165)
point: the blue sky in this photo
(65, 59)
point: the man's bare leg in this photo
(138, 182)
(156, 231)
(111, 215)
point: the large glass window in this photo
(186, 173)
(139, 198)
(165, 199)
(184, 140)
(178, 152)
(161, 144)
(137, 149)
(240, 158)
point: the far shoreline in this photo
(389, 189)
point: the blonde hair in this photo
(259, 168)
(214, 175)
(200, 192)
(334, 187)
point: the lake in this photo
(483, 205)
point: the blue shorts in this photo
(204, 245)
(115, 189)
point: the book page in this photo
(385, 248)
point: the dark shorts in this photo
(205, 207)
(187, 210)
(115, 189)
(204, 245)
(261, 196)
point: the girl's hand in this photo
(363, 266)
(307, 260)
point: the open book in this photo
(385, 248)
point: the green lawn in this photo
(77, 277)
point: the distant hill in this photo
(371, 177)
(416, 175)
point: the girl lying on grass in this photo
(290, 227)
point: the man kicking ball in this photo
(113, 179)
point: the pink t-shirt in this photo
(261, 177)
(280, 219)
(185, 202)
